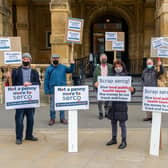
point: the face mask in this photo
(25, 63)
(104, 61)
(149, 66)
(118, 70)
(55, 62)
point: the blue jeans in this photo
(19, 117)
(52, 110)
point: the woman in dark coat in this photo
(118, 110)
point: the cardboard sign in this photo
(114, 41)
(155, 99)
(10, 50)
(17, 97)
(12, 57)
(74, 31)
(114, 88)
(71, 97)
(159, 47)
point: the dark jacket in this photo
(118, 110)
(150, 76)
(17, 77)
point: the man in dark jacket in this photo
(25, 76)
(149, 78)
(104, 69)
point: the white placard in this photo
(156, 43)
(114, 88)
(17, 97)
(118, 45)
(155, 99)
(71, 97)
(12, 57)
(111, 36)
(73, 36)
(5, 44)
(163, 53)
(74, 24)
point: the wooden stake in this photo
(115, 56)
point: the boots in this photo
(112, 141)
(123, 144)
(100, 116)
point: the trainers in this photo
(31, 138)
(63, 121)
(51, 122)
(18, 141)
(100, 116)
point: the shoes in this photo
(18, 141)
(51, 122)
(147, 119)
(123, 144)
(106, 115)
(100, 116)
(112, 141)
(63, 121)
(32, 138)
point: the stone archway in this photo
(129, 18)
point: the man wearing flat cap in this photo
(25, 76)
(55, 75)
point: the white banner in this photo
(155, 99)
(17, 97)
(71, 97)
(75, 24)
(111, 36)
(118, 45)
(12, 57)
(5, 44)
(73, 36)
(112, 88)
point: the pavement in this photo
(51, 149)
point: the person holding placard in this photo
(118, 109)
(149, 78)
(55, 75)
(25, 76)
(104, 69)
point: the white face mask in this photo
(118, 69)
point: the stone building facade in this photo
(41, 25)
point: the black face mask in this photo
(25, 63)
(55, 62)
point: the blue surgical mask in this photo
(149, 66)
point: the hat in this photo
(26, 55)
(55, 56)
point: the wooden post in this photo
(115, 56)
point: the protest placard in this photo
(17, 97)
(112, 88)
(114, 41)
(155, 99)
(10, 50)
(71, 97)
(74, 30)
(12, 57)
(159, 47)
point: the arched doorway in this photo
(107, 21)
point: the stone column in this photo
(162, 25)
(23, 26)
(60, 10)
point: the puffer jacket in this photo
(150, 76)
(118, 110)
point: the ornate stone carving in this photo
(62, 4)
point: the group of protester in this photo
(118, 110)
(55, 75)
